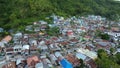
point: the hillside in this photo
(21, 12)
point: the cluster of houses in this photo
(76, 41)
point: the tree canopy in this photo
(21, 12)
(106, 61)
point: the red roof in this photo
(83, 28)
(92, 63)
(74, 40)
(64, 43)
(7, 38)
(54, 38)
(31, 61)
(9, 65)
(70, 32)
(47, 42)
(73, 59)
(9, 49)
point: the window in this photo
(16, 49)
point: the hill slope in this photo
(20, 12)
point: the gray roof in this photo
(103, 43)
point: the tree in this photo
(16, 11)
(101, 53)
(105, 36)
(105, 61)
(112, 50)
(117, 58)
(52, 31)
(82, 65)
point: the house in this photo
(1, 29)
(35, 23)
(43, 27)
(36, 29)
(81, 56)
(9, 51)
(72, 59)
(48, 42)
(25, 36)
(22, 65)
(26, 49)
(91, 54)
(87, 37)
(33, 42)
(91, 63)
(70, 34)
(58, 54)
(32, 61)
(115, 28)
(114, 34)
(18, 35)
(2, 44)
(82, 22)
(33, 49)
(54, 38)
(53, 58)
(103, 45)
(64, 43)
(54, 46)
(42, 22)
(73, 41)
(29, 28)
(17, 48)
(9, 65)
(47, 62)
(41, 33)
(20, 60)
(44, 48)
(42, 43)
(65, 63)
(39, 65)
(51, 46)
(7, 38)
(83, 29)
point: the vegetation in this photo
(105, 61)
(82, 64)
(52, 31)
(104, 36)
(18, 13)
(3, 34)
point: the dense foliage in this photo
(16, 13)
(106, 61)
(102, 35)
(54, 31)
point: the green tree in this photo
(105, 61)
(53, 31)
(16, 11)
(105, 36)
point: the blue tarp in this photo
(66, 64)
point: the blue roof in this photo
(66, 64)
